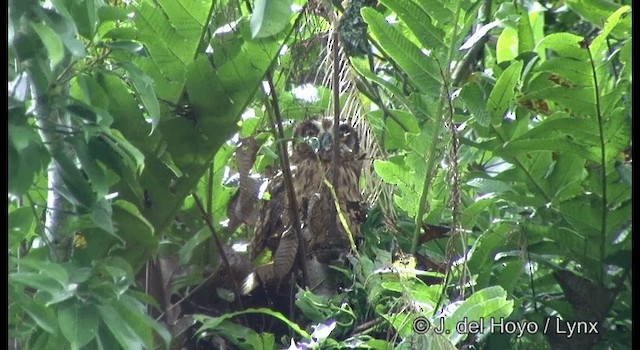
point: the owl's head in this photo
(314, 137)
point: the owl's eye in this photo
(344, 131)
(314, 143)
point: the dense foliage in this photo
(507, 122)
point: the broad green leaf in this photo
(120, 328)
(599, 48)
(144, 87)
(36, 281)
(429, 340)
(107, 150)
(92, 169)
(422, 70)
(49, 341)
(507, 45)
(269, 17)
(213, 322)
(78, 186)
(474, 98)
(488, 303)
(564, 44)
(361, 66)
(85, 15)
(418, 21)
(44, 316)
(51, 42)
(568, 170)
(479, 34)
(471, 212)
(503, 92)
(21, 225)
(78, 322)
(119, 270)
(570, 73)
(139, 234)
(598, 11)
(406, 180)
(525, 34)
(509, 276)
(518, 147)
(64, 25)
(132, 152)
(171, 30)
(240, 336)
(133, 312)
(186, 252)
(578, 99)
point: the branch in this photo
(223, 255)
(333, 223)
(286, 174)
(53, 124)
(462, 68)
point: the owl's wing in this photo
(269, 223)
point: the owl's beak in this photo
(325, 141)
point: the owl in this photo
(310, 157)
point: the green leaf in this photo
(503, 92)
(269, 17)
(120, 328)
(474, 98)
(599, 47)
(132, 152)
(418, 21)
(509, 276)
(133, 312)
(21, 225)
(78, 186)
(598, 11)
(405, 179)
(186, 252)
(362, 67)
(44, 316)
(519, 147)
(64, 25)
(78, 322)
(36, 281)
(94, 172)
(139, 234)
(51, 42)
(488, 303)
(507, 45)
(565, 45)
(144, 87)
(213, 322)
(525, 34)
(422, 70)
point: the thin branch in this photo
(603, 164)
(223, 255)
(333, 223)
(186, 296)
(286, 173)
(463, 66)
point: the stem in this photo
(53, 125)
(288, 182)
(223, 255)
(603, 165)
(431, 151)
(333, 223)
